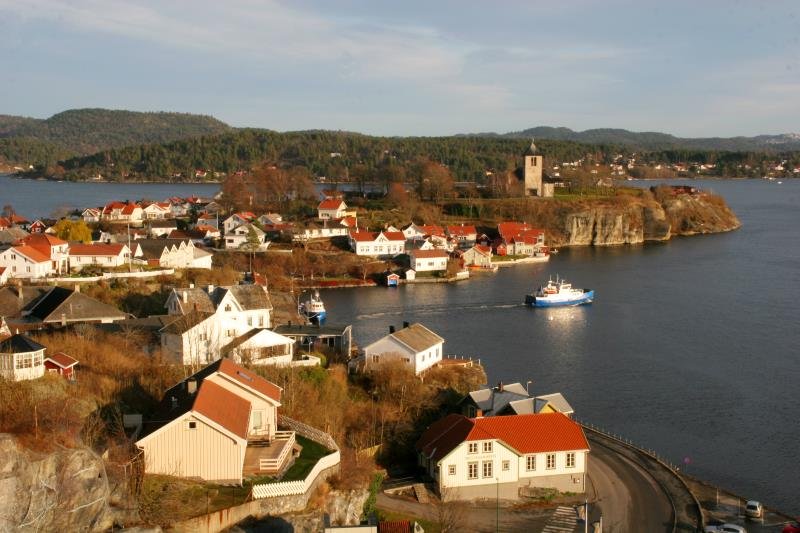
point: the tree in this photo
(8, 210)
(73, 231)
(251, 244)
(434, 181)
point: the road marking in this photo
(562, 521)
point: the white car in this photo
(725, 528)
(753, 509)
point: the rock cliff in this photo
(68, 490)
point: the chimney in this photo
(185, 297)
(405, 324)
(210, 289)
(499, 386)
(191, 385)
(63, 319)
(479, 413)
(391, 330)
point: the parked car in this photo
(753, 509)
(791, 528)
(725, 528)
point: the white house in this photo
(261, 347)
(464, 235)
(429, 260)
(503, 456)
(161, 227)
(123, 212)
(331, 208)
(37, 255)
(104, 255)
(326, 230)
(237, 219)
(478, 256)
(157, 211)
(220, 425)
(21, 358)
(237, 236)
(171, 253)
(381, 244)
(248, 304)
(414, 344)
(91, 214)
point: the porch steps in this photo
(421, 492)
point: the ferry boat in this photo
(558, 293)
(313, 309)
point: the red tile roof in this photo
(331, 203)
(96, 249)
(462, 231)
(363, 236)
(432, 229)
(4, 223)
(394, 235)
(481, 249)
(533, 433)
(427, 254)
(31, 253)
(129, 209)
(249, 379)
(42, 242)
(223, 407)
(508, 230)
(395, 526)
(61, 359)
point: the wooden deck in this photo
(266, 458)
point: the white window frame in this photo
(451, 470)
(487, 447)
(472, 447)
(570, 463)
(530, 463)
(487, 469)
(551, 461)
(472, 470)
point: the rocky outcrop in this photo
(68, 490)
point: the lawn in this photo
(311, 453)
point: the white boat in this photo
(313, 309)
(558, 293)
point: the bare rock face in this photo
(699, 214)
(605, 226)
(63, 491)
(345, 506)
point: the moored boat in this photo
(313, 309)
(558, 293)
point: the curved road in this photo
(628, 498)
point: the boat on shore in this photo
(558, 293)
(313, 309)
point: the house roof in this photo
(427, 254)
(10, 302)
(12, 235)
(331, 203)
(462, 230)
(61, 359)
(32, 253)
(510, 229)
(395, 526)
(20, 344)
(251, 297)
(557, 400)
(363, 236)
(492, 400)
(261, 338)
(249, 379)
(184, 323)
(310, 330)
(61, 303)
(417, 337)
(224, 407)
(98, 249)
(163, 224)
(531, 433)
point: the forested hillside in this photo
(86, 131)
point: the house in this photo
(21, 358)
(504, 457)
(545, 403)
(92, 215)
(237, 219)
(265, 347)
(380, 244)
(331, 208)
(414, 344)
(36, 256)
(429, 260)
(103, 255)
(208, 219)
(37, 226)
(126, 212)
(197, 338)
(512, 399)
(238, 236)
(248, 304)
(171, 253)
(5, 275)
(518, 238)
(218, 425)
(336, 339)
(157, 211)
(325, 230)
(61, 364)
(161, 227)
(465, 236)
(270, 219)
(63, 306)
(478, 256)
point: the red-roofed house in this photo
(62, 364)
(473, 458)
(123, 212)
(104, 255)
(429, 260)
(220, 424)
(36, 256)
(380, 244)
(236, 220)
(464, 235)
(157, 211)
(518, 238)
(478, 256)
(331, 208)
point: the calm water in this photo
(692, 347)
(40, 198)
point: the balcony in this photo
(265, 456)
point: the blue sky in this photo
(699, 68)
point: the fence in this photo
(274, 464)
(109, 275)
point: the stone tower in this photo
(532, 172)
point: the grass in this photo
(164, 499)
(311, 454)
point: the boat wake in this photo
(437, 310)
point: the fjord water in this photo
(692, 347)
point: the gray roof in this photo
(417, 337)
(153, 248)
(163, 224)
(556, 400)
(10, 303)
(195, 299)
(184, 323)
(12, 234)
(63, 304)
(493, 400)
(20, 344)
(251, 297)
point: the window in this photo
(227, 308)
(472, 470)
(530, 463)
(473, 447)
(551, 461)
(570, 459)
(506, 466)
(451, 470)
(487, 447)
(192, 425)
(487, 468)
(376, 358)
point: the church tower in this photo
(532, 172)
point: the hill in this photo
(651, 140)
(87, 131)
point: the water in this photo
(40, 198)
(692, 347)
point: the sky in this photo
(690, 68)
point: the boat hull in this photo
(585, 298)
(316, 318)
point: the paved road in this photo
(628, 498)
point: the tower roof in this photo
(531, 148)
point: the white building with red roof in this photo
(220, 425)
(429, 260)
(502, 456)
(331, 208)
(36, 256)
(236, 220)
(157, 211)
(123, 212)
(465, 235)
(377, 244)
(103, 255)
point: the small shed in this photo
(62, 364)
(392, 280)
